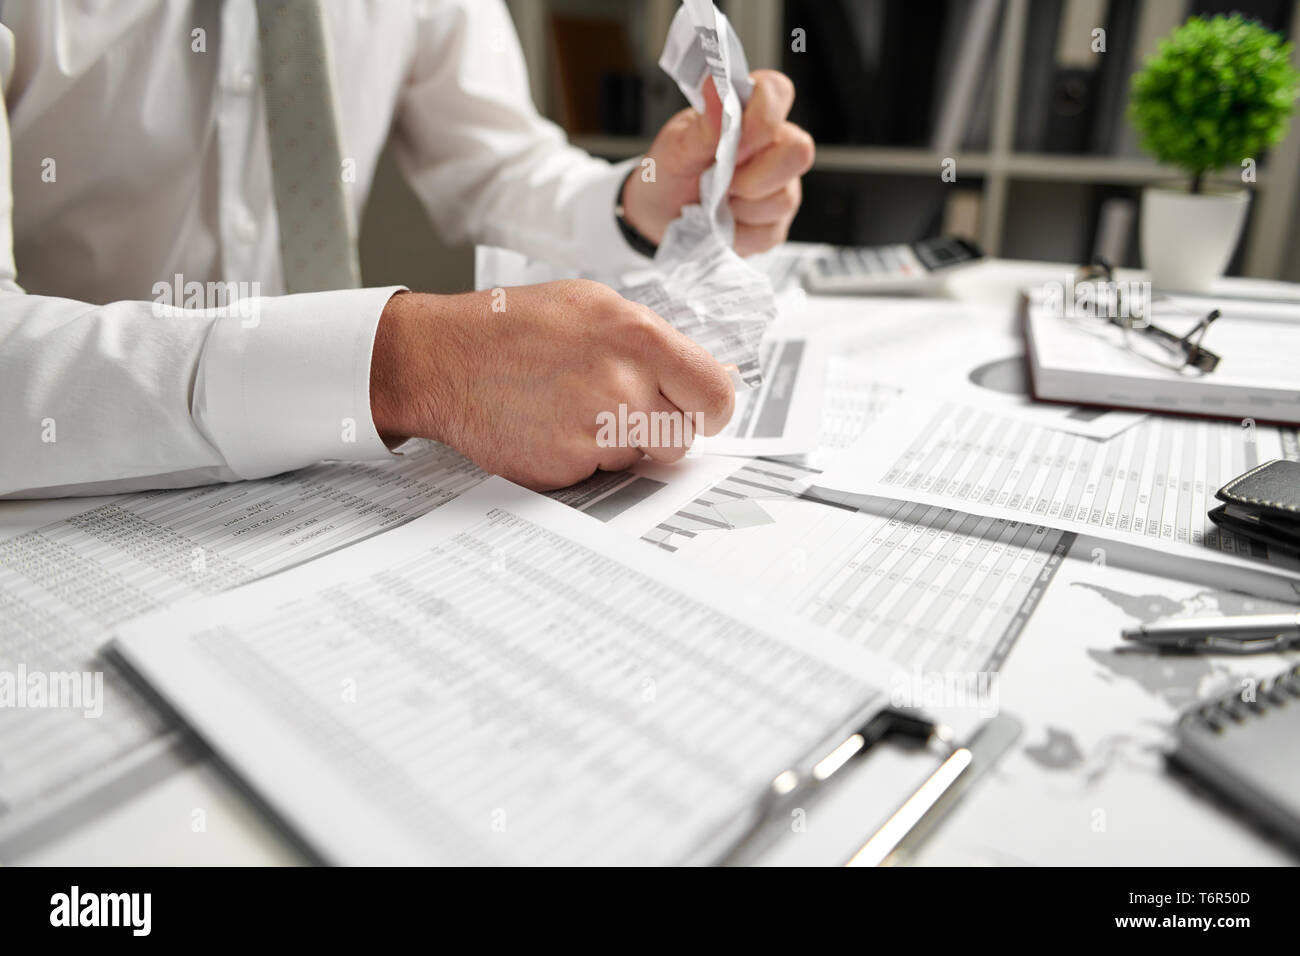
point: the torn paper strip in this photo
(706, 291)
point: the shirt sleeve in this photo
(132, 395)
(487, 166)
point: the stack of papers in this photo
(412, 662)
(503, 681)
(495, 646)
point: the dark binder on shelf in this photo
(966, 52)
(1036, 75)
(1112, 77)
(1073, 96)
(830, 78)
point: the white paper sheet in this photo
(783, 414)
(1151, 486)
(502, 681)
(704, 289)
(1086, 783)
(1096, 715)
(65, 585)
(936, 591)
(969, 353)
(633, 500)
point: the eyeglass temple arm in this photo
(1200, 329)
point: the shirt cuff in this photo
(284, 382)
(605, 249)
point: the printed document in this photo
(503, 681)
(1152, 485)
(63, 587)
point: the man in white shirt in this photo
(135, 138)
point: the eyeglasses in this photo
(1133, 315)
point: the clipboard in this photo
(901, 784)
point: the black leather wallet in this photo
(1263, 505)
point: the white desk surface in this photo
(157, 826)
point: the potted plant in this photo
(1216, 94)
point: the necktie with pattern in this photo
(317, 244)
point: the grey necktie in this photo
(317, 245)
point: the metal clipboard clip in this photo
(916, 816)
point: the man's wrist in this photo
(633, 233)
(637, 210)
(386, 404)
(418, 365)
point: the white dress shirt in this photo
(134, 137)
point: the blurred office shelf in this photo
(922, 162)
(1041, 183)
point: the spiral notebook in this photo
(1246, 746)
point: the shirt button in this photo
(244, 83)
(246, 230)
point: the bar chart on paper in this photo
(928, 587)
(1151, 485)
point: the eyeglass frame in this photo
(1194, 355)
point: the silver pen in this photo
(1238, 634)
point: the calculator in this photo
(901, 267)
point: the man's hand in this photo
(765, 192)
(519, 389)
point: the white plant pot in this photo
(1188, 240)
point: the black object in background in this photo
(1263, 505)
(1072, 98)
(836, 102)
(868, 72)
(620, 104)
(909, 69)
(1112, 79)
(1274, 14)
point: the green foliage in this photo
(1218, 91)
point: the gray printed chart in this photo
(1151, 485)
(512, 661)
(64, 587)
(928, 587)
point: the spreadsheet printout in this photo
(503, 681)
(1151, 485)
(932, 589)
(64, 586)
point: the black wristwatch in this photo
(635, 238)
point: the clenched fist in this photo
(765, 191)
(522, 389)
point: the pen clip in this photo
(1217, 644)
(1248, 645)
